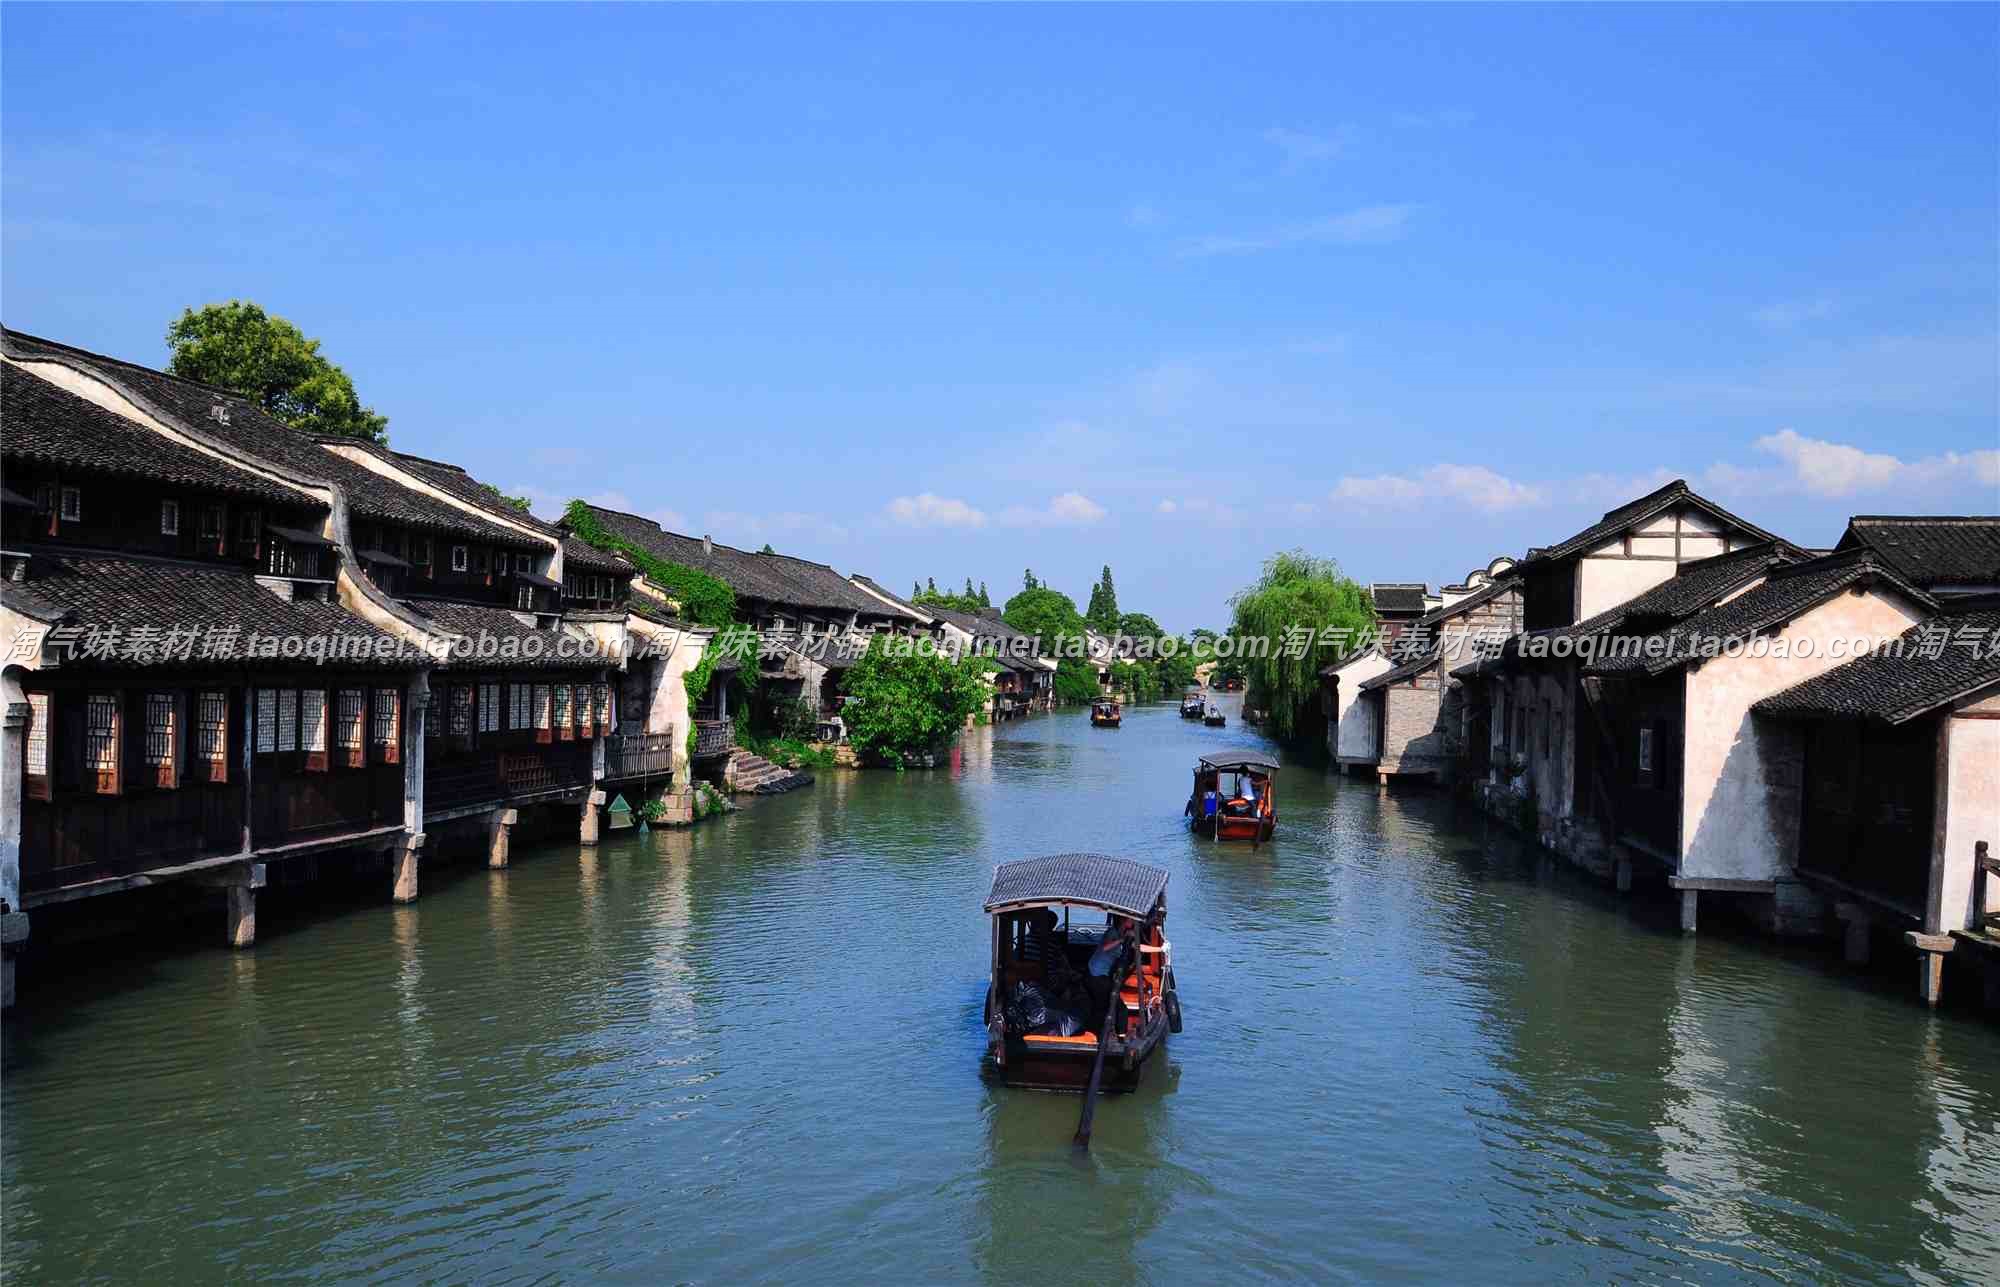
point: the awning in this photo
(298, 535)
(382, 557)
(1094, 880)
(1225, 763)
(533, 579)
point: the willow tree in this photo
(1297, 599)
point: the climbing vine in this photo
(704, 599)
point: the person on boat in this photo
(1097, 975)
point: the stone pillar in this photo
(1931, 949)
(593, 813)
(1854, 939)
(1624, 875)
(13, 764)
(13, 933)
(403, 868)
(239, 883)
(497, 827)
(1690, 900)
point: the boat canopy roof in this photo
(1248, 760)
(1093, 880)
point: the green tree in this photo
(1297, 592)
(515, 502)
(1028, 581)
(1049, 615)
(1102, 614)
(916, 592)
(908, 701)
(984, 602)
(767, 549)
(930, 585)
(1076, 680)
(1138, 625)
(240, 347)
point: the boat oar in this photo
(1103, 1044)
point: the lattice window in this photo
(160, 738)
(170, 518)
(267, 720)
(541, 712)
(461, 558)
(212, 523)
(524, 563)
(37, 750)
(349, 716)
(461, 710)
(387, 733)
(100, 741)
(72, 505)
(604, 707)
(312, 727)
(489, 707)
(524, 598)
(518, 714)
(288, 719)
(586, 712)
(565, 730)
(211, 735)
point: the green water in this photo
(751, 1051)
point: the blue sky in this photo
(959, 291)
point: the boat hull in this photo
(1255, 830)
(1032, 1063)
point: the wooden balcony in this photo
(713, 737)
(639, 755)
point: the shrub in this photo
(906, 702)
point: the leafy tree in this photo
(916, 591)
(1028, 581)
(984, 602)
(1102, 614)
(238, 346)
(1201, 633)
(767, 549)
(930, 585)
(704, 599)
(516, 502)
(1296, 592)
(1138, 625)
(1076, 680)
(910, 701)
(1049, 615)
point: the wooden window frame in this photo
(520, 708)
(524, 597)
(41, 714)
(161, 750)
(170, 517)
(69, 505)
(461, 559)
(352, 755)
(564, 716)
(489, 706)
(210, 759)
(524, 563)
(111, 780)
(311, 730)
(388, 742)
(604, 709)
(544, 732)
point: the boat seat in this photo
(1085, 1039)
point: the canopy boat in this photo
(1213, 717)
(1234, 797)
(1193, 704)
(1106, 714)
(1064, 992)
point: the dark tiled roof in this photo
(1400, 673)
(49, 425)
(261, 438)
(1929, 551)
(890, 595)
(1459, 607)
(1617, 520)
(456, 480)
(1693, 588)
(1094, 879)
(1900, 684)
(1401, 596)
(581, 556)
(1786, 592)
(104, 591)
(1011, 648)
(769, 578)
(532, 648)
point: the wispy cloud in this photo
(1201, 509)
(1473, 485)
(1833, 469)
(929, 510)
(1303, 149)
(1071, 509)
(1366, 225)
(1785, 315)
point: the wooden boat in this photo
(1192, 704)
(1106, 715)
(1234, 797)
(1213, 717)
(1036, 943)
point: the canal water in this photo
(750, 1051)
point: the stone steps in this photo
(758, 776)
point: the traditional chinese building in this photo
(1411, 715)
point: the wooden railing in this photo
(638, 755)
(713, 737)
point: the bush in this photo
(908, 702)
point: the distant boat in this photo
(1106, 715)
(1234, 798)
(1214, 718)
(1192, 704)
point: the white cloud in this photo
(1302, 149)
(1165, 507)
(1832, 469)
(1473, 485)
(1071, 509)
(929, 510)
(1201, 509)
(1362, 226)
(1783, 315)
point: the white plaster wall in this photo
(1971, 806)
(1354, 720)
(1605, 582)
(1739, 783)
